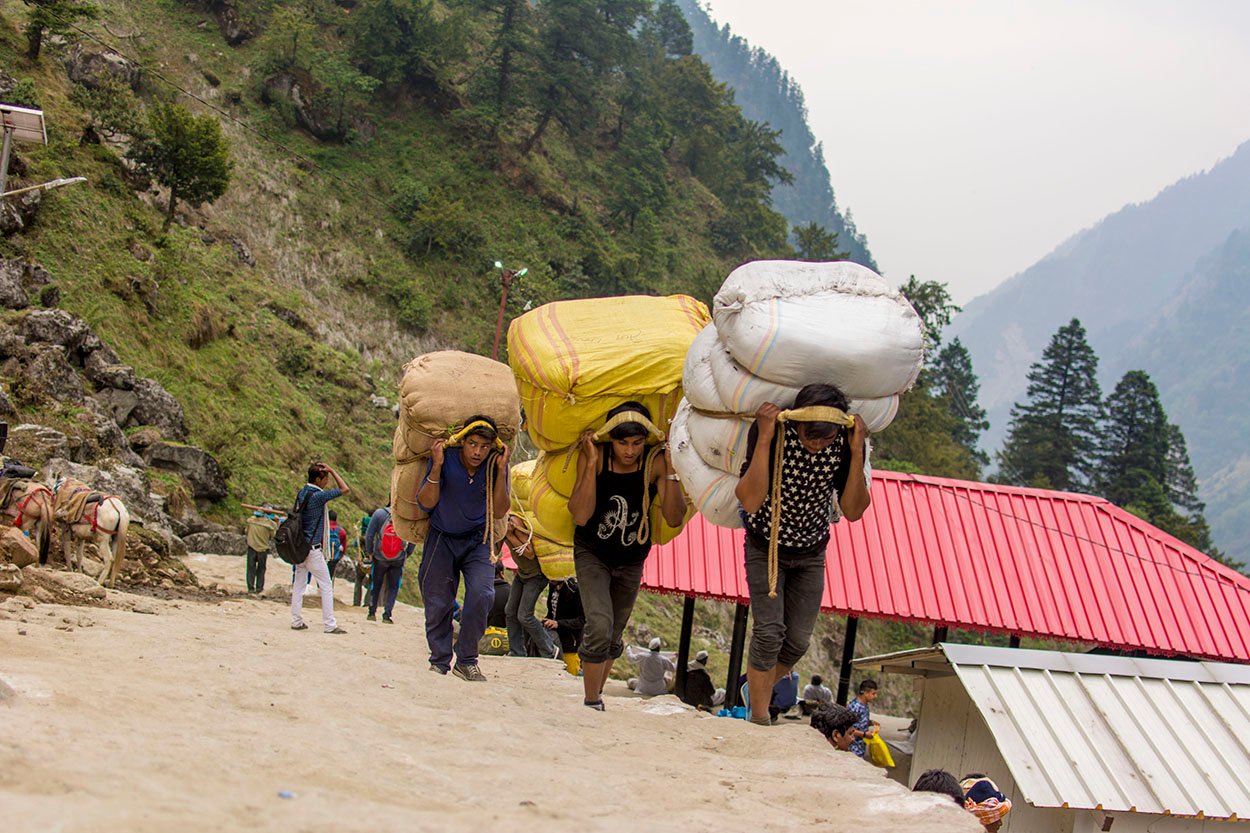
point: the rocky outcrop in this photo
(45, 584)
(234, 27)
(37, 442)
(19, 212)
(312, 108)
(12, 293)
(157, 406)
(92, 68)
(10, 578)
(217, 543)
(16, 548)
(198, 467)
(48, 373)
(109, 374)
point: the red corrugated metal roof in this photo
(999, 558)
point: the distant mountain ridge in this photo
(767, 93)
(1162, 286)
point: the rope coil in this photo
(811, 413)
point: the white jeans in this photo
(315, 563)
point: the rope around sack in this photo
(812, 413)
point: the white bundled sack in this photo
(697, 382)
(711, 490)
(781, 319)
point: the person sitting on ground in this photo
(387, 555)
(939, 781)
(655, 669)
(864, 724)
(527, 586)
(815, 692)
(836, 724)
(700, 690)
(566, 617)
(260, 529)
(461, 512)
(312, 499)
(785, 695)
(822, 474)
(984, 800)
(609, 504)
(338, 544)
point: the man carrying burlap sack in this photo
(793, 472)
(464, 490)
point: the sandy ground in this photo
(204, 715)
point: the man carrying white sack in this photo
(819, 460)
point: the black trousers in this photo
(256, 570)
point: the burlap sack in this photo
(441, 390)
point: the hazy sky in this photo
(970, 137)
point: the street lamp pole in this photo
(506, 277)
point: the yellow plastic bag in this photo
(878, 752)
(575, 360)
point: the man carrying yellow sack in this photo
(791, 475)
(464, 489)
(610, 504)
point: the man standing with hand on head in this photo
(462, 509)
(312, 500)
(822, 475)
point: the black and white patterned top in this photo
(810, 484)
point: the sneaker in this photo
(469, 673)
(300, 627)
(337, 630)
(388, 620)
(597, 705)
(372, 617)
(437, 669)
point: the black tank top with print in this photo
(612, 531)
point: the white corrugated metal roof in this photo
(1109, 733)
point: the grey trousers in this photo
(781, 628)
(608, 596)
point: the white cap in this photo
(655, 643)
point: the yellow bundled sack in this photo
(576, 360)
(438, 392)
(554, 557)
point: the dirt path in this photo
(201, 716)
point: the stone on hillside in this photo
(50, 374)
(109, 438)
(55, 326)
(6, 406)
(36, 443)
(233, 28)
(144, 437)
(379, 401)
(45, 584)
(17, 213)
(115, 478)
(91, 68)
(217, 543)
(12, 293)
(16, 548)
(199, 467)
(158, 407)
(10, 578)
(104, 374)
(120, 404)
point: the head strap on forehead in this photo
(654, 434)
(458, 437)
(817, 413)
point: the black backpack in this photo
(289, 540)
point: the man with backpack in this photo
(311, 503)
(389, 553)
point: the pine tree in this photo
(54, 17)
(1052, 440)
(1135, 440)
(954, 382)
(1181, 484)
(813, 243)
(186, 153)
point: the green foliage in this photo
(813, 243)
(406, 41)
(113, 108)
(24, 94)
(186, 153)
(955, 384)
(54, 17)
(1053, 438)
(932, 302)
(671, 31)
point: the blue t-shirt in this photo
(461, 507)
(862, 723)
(314, 511)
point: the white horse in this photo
(104, 522)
